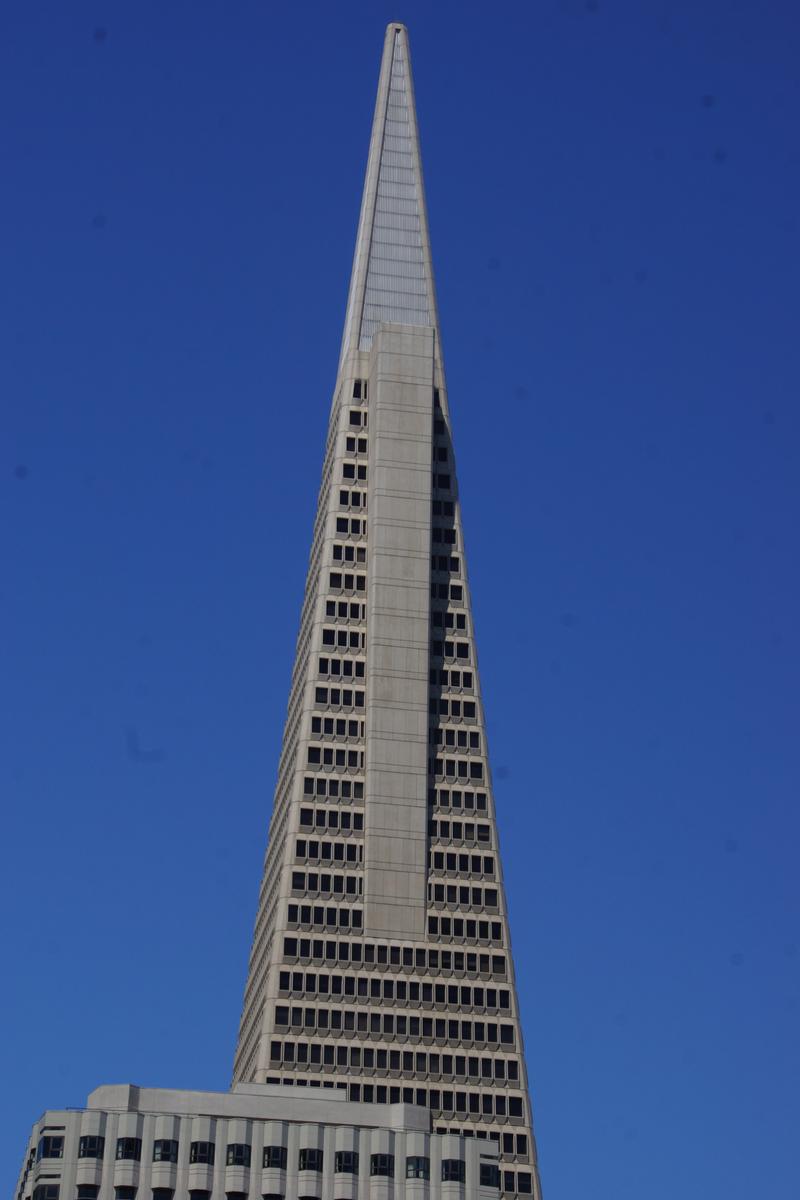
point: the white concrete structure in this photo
(380, 981)
(254, 1142)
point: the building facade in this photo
(380, 980)
(257, 1141)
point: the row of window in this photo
(354, 526)
(349, 553)
(443, 508)
(337, 727)
(456, 927)
(356, 1058)
(333, 851)
(399, 991)
(346, 667)
(443, 562)
(448, 620)
(345, 610)
(340, 819)
(444, 797)
(441, 481)
(464, 864)
(354, 471)
(354, 445)
(416, 1168)
(462, 680)
(461, 895)
(347, 583)
(456, 710)
(339, 697)
(447, 649)
(463, 739)
(335, 885)
(345, 639)
(446, 537)
(325, 918)
(329, 756)
(320, 917)
(352, 499)
(455, 768)
(436, 960)
(447, 591)
(390, 1025)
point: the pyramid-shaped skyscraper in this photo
(380, 1051)
(381, 959)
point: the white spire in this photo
(392, 279)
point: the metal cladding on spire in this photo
(392, 280)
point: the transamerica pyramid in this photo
(381, 958)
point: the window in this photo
(50, 1147)
(382, 1164)
(275, 1156)
(524, 1186)
(199, 1195)
(490, 1175)
(165, 1150)
(87, 1191)
(91, 1146)
(345, 1162)
(237, 1155)
(310, 1160)
(46, 1191)
(130, 1148)
(453, 1170)
(127, 1193)
(418, 1167)
(163, 1193)
(202, 1152)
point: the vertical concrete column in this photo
(398, 633)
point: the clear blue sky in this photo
(613, 193)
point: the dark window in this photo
(524, 1183)
(237, 1155)
(382, 1164)
(202, 1152)
(163, 1193)
(275, 1156)
(87, 1191)
(126, 1193)
(236, 1195)
(453, 1170)
(165, 1150)
(345, 1162)
(310, 1160)
(46, 1191)
(490, 1175)
(418, 1167)
(199, 1195)
(91, 1146)
(128, 1147)
(50, 1147)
